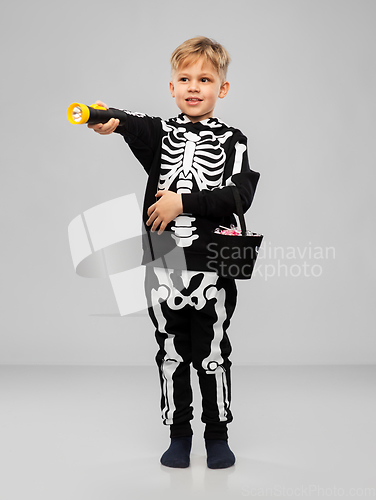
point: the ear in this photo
(225, 87)
(172, 89)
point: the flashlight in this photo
(80, 113)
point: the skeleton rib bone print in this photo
(190, 162)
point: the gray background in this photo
(302, 89)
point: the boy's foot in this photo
(178, 453)
(219, 455)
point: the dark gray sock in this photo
(219, 455)
(178, 453)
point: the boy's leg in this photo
(174, 356)
(211, 349)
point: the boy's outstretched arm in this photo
(105, 128)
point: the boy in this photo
(192, 160)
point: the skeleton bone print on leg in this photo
(190, 162)
(202, 287)
(195, 289)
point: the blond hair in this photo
(194, 48)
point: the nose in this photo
(193, 86)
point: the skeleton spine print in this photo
(190, 162)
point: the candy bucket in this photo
(232, 252)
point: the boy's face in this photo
(196, 88)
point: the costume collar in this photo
(213, 121)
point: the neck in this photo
(196, 119)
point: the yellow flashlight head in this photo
(78, 113)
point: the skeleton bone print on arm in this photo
(191, 162)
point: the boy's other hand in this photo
(162, 212)
(105, 128)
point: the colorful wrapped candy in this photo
(232, 231)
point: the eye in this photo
(204, 80)
(183, 79)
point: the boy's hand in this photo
(105, 128)
(162, 212)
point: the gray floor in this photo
(94, 433)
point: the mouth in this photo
(193, 101)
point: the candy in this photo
(232, 231)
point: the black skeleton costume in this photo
(191, 305)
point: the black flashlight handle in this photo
(103, 115)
